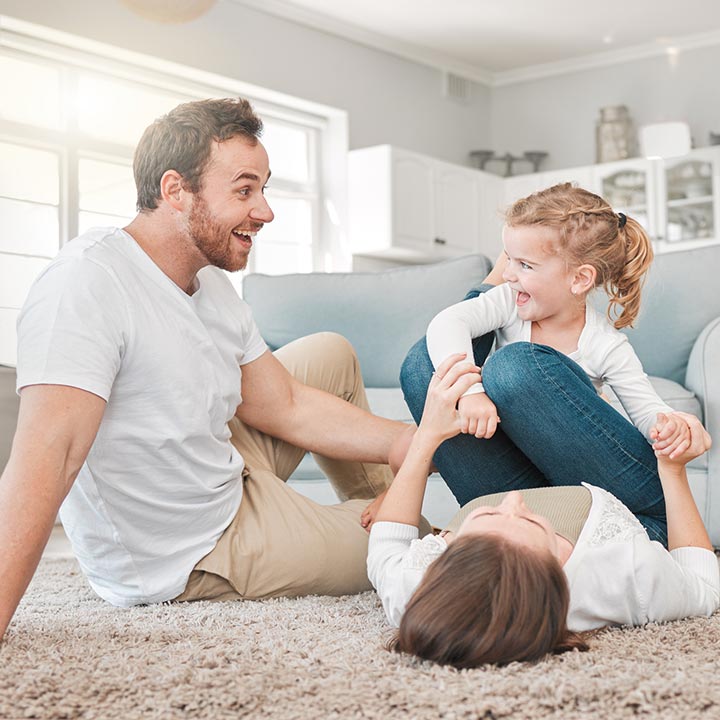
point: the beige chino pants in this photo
(281, 543)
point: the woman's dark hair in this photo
(488, 600)
(182, 141)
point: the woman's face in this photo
(513, 520)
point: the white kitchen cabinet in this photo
(409, 207)
(457, 210)
(689, 191)
(632, 187)
(676, 200)
(520, 186)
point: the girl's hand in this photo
(478, 415)
(453, 377)
(671, 435)
(679, 437)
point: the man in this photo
(149, 399)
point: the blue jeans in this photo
(555, 430)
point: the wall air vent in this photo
(456, 87)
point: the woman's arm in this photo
(685, 526)
(439, 422)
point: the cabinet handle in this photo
(440, 241)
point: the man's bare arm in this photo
(56, 427)
(277, 404)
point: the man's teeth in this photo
(242, 233)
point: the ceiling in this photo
(492, 39)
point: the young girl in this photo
(554, 353)
(561, 243)
(509, 584)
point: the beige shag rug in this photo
(68, 654)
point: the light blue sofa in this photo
(383, 313)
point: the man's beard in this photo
(212, 240)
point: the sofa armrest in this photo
(703, 379)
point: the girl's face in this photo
(539, 276)
(512, 519)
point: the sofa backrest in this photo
(384, 313)
(681, 296)
(381, 313)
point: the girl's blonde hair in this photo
(591, 233)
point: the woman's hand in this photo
(681, 438)
(671, 435)
(453, 377)
(440, 421)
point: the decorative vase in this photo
(615, 134)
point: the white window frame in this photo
(329, 126)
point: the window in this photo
(70, 117)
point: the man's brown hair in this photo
(488, 600)
(182, 141)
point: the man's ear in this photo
(172, 190)
(584, 279)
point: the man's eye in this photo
(244, 191)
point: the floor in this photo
(58, 545)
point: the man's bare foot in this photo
(368, 516)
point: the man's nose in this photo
(262, 211)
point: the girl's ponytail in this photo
(624, 289)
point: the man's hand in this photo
(478, 415)
(671, 435)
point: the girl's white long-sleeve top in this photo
(616, 574)
(603, 352)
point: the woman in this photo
(507, 583)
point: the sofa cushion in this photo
(678, 398)
(679, 299)
(381, 313)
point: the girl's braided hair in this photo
(591, 233)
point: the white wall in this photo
(391, 100)
(559, 114)
(388, 100)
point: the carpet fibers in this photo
(68, 654)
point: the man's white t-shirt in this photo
(162, 480)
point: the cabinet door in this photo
(413, 207)
(492, 214)
(630, 186)
(457, 211)
(520, 186)
(580, 176)
(689, 190)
